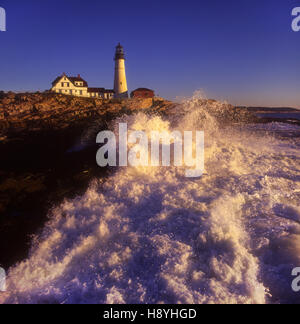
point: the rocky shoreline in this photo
(24, 113)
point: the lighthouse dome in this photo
(119, 52)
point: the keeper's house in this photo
(76, 86)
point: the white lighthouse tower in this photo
(120, 86)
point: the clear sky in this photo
(242, 51)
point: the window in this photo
(68, 84)
(80, 92)
(62, 84)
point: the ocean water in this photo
(151, 235)
(285, 115)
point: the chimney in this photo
(78, 76)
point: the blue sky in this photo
(242, 51)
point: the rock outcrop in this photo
(40, 111)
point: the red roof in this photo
(142, 89)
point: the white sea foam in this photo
(150, 235)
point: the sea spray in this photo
(150, 235)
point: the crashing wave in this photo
(150, 235)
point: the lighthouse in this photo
(120, 86)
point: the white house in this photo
(76, 86)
